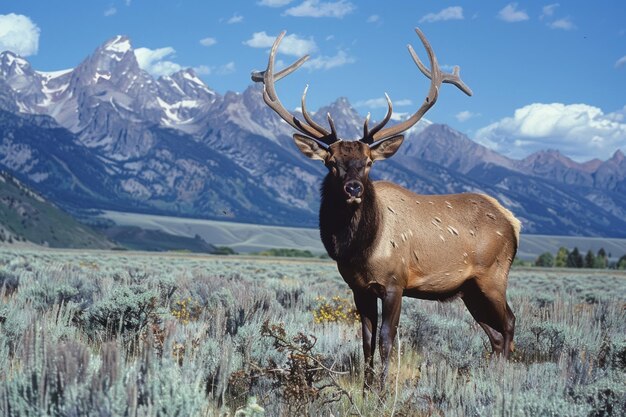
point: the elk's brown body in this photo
(389, 242)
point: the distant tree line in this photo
(574, 259)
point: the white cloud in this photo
(580, 131)
(620, 62)
(208, 41)
(373, 18)
(18, 34)
(153, 60)
(274, 3)
(381, 102)
(315, 8)
(290, 45)
(510, 13)
(327, 62)
(449, 13)
(236, 18)
(110, 11)
(465, 115)
(548, 10)
(564, 24)
(226, 69)
(203, 70)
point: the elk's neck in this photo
(348, 231)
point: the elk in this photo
(389, 242)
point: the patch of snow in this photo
(11, 58)
(48, 75)
(170, 114)
(133, 166)
(174, 84)
(47, 90)
(39, 177)
(188, 104)
(118, 45)
(196, 80)
(97, 76)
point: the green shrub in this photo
(125, 312)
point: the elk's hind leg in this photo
(491, 311)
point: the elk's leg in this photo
(490, 310)
(392, 303)
(509, 332)
(367, 306)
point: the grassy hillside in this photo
(26, 216)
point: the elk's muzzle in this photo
(354, 191)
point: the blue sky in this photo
(545, 74)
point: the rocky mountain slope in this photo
(108, 135)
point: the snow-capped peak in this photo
(11, 63)
(120, 44)
(191, 76)
(9, 57)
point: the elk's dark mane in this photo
(348, 231)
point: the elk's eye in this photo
(369, 163)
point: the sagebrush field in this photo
(88, 333)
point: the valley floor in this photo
(245, 238)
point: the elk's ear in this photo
(386, 148)
(310, 148)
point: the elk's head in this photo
(349, 162)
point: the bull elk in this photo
(389, 242)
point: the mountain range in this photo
(107, 135)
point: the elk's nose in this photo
(353, 188)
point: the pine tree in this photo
(590, 259)
(561, 258)
(575, 259)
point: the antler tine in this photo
(450, 78)
(437, 77)
(333, 132)
(308, 118)
(365, 125)
(270, 97)
(257, 76)
(369, 137)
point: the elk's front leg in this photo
(367, 306)
(392, 303)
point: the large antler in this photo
(267, 77)
(436, 76)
